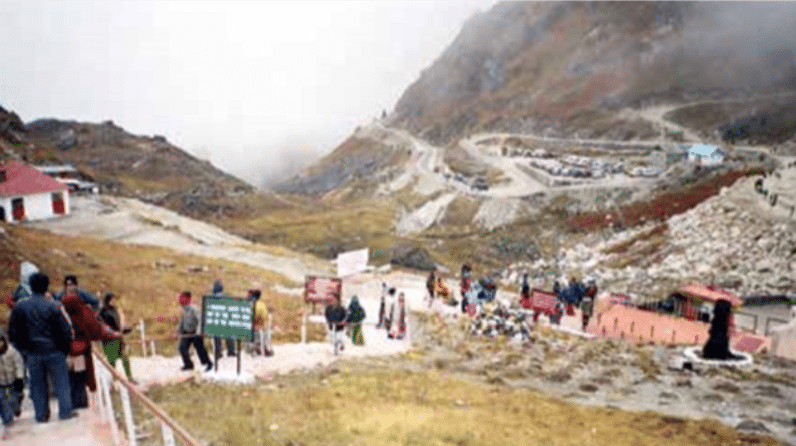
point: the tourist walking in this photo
(335, 319)
(388, 314)
(188, 332)
(39, 330)
(111, 314)
(382, 305)
(356, 314)
(398, 318)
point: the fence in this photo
(109, 378)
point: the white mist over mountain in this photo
(258, 88)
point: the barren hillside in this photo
(566, 67)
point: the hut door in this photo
(2, 213)
(58, 203)
(18, 209)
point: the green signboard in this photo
(227, 317)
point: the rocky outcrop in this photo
(411, 257)
(732, 239)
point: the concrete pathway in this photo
(85, 430)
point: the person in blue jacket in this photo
(39, 330)
(70, 284)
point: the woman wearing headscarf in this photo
(398, 317)
(87, 327)
(356, 314)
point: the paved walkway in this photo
(85, 430)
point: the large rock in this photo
(411, 256)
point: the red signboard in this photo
(544, 302)
(321, 289)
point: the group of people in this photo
(392, 314)
(574, 295)
(49, 336)
(189, 329)
(339, 319)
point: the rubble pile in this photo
(729, 240)
(494, 321)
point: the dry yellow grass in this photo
(147, 291)
(389, 407)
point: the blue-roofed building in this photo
(706, 155)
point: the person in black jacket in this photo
(111, 315)
(40, 331)
(336, 317)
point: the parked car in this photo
(480, 184)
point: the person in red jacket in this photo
(87, 327)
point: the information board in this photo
(321, 289)
(352, 262)
(227, 317)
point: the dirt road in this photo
(131, 221)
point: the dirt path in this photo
(131, 221)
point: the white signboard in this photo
(352, 262)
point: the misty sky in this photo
(256, 87)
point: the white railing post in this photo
(168, 435)
(128, 415)
(100, 397)
(152, 347)
(142, 331)
(304, 329)
(106, 393)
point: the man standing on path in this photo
(218, 291)
(335, 318)
(39, 330)
(188, 330)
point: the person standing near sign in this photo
(218, 291)
(188, 330)
(335, 317)
(262, 334)
(356, 314)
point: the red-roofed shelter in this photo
(27, 194)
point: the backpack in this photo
(190, 322)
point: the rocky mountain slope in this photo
(735, 239)
(565, 67)
(145, 167)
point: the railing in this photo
(108, 378)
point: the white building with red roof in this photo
(27, 193)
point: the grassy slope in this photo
(145, 290)
(376, 406)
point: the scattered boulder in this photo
(411, 257)
(752, 425)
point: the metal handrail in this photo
(167, 423)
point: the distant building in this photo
(706, 155)
(28, 194)
(71, 177)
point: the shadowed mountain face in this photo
(568, 67)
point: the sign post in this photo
(227, 317)
(321, 289)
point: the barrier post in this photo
(152, 347)
(168, 435)
(128, 415)
(142, 331)
(106, 392)
(304, 328)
